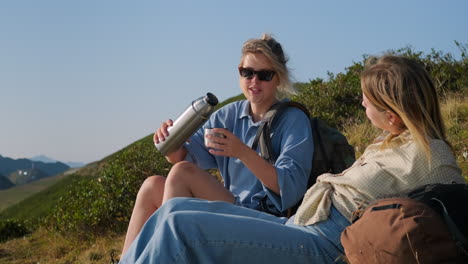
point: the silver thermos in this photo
(187, 123)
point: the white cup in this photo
(208, 131)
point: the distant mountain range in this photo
(20, 171)
(46, 159)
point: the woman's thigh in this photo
(188, 180)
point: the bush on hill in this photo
(13, 228)
(104, 202)
(337, 100)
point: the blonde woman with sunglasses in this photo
(248, 180)
(399, 98)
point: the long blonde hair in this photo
(404, 87)
(272, 49)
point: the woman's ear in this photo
(394, 120)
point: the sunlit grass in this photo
(455, 114)
(44, 246)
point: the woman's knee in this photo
(153, 185)
(182, 170)
(178, 204)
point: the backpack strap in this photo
(262, 137)
(460, 239)
(263, 131)
(441, 198)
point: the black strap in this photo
(386, 207)
(460, 239)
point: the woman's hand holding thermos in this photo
(171, 136)
(162, 132)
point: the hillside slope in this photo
(11, 196)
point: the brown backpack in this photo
(400, 230)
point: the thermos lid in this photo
(211, 99)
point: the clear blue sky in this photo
(82, 79)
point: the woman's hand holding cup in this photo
(212, 138)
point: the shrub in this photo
(449, 74)
(336, 100)
(12, 229)
(104, 202)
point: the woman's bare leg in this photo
(187, 180)
(149, 199)
(184, 180)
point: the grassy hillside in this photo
(93, 205)
(38, 205)
(13, 195)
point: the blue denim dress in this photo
(188, 230)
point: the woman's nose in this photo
(255, 79)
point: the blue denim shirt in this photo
(291, 138)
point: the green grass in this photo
(37, 206)
(15, 194)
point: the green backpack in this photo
(332, 152)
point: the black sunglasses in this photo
(263, 75)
